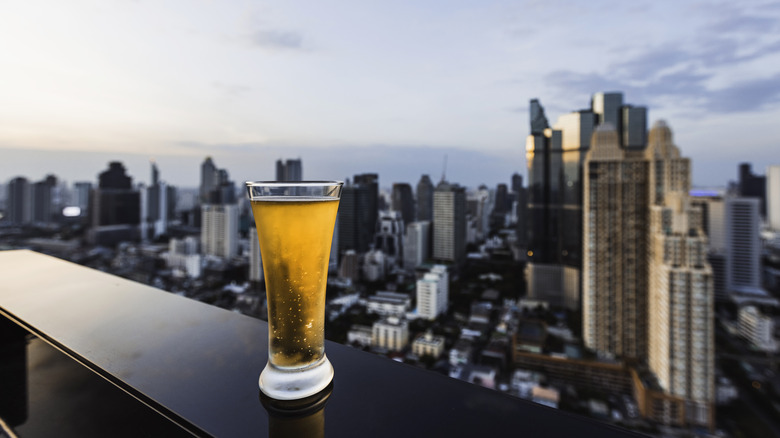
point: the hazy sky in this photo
(361, 86)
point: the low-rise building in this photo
(389, 303)
(390, 333)
(757, 328)
(360, 335)
(428, 344)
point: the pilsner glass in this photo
(295, 223)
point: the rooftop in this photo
(105, 356)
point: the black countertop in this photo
(197, 366)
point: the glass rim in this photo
(313, 183)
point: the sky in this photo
(398, 88)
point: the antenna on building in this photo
(444, 171)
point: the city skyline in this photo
(247, 84)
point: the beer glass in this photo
(295, 222)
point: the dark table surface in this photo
(197, 366)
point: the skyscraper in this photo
(215, 184)
(449, 223)
(209, 179)
(18, 201)
(425, 199)
(417, 244)
(554, 195)
(219, 231)
(160, 205)
(403, 201)
(290, 170)
(615, 284)
(752, 186)
(743, 244)
(115, 202)
(681, 348)
(116, 207)
(554, 219)
(357, 216)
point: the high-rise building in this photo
(389, 237)
(18, 201)
(553, 219)
(81, 194)
(417, 244)
(743, 244)
(681, 347)
(160, 206)
(433, 293)
(773, 197)
(478, 210)
(449, 223)
(42, 210)
(116, 207)
(215, 184)
(209, 179)
(115, 201)
(289, 170)
(615, 283)
(219, 230)
(752, 186)
(358, 210)
(403, 201)
(425, 199)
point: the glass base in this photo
(282, 384)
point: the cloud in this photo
(277, 40)
(704, 73)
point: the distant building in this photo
(403, 201)
(417, 244)
(350, 264)
(159, 207)
(743, 243)
(425, 199)
(387, 303)
(360, 335)
(449, 223)
(215, 185)
(428, 344)
(255, 258)
(390, 333)
(358, 211)
(752, 186)
(18, 201)
(184, 256)
(374, 266)
(758, 329)
(389, 238)
(116, 207)
(433, 293)
(219, 230)
(290, 170)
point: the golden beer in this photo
(295, 237)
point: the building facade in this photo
(614, 297)
(433, 293)
(449, 223)
(219, 230)
(681, 339)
